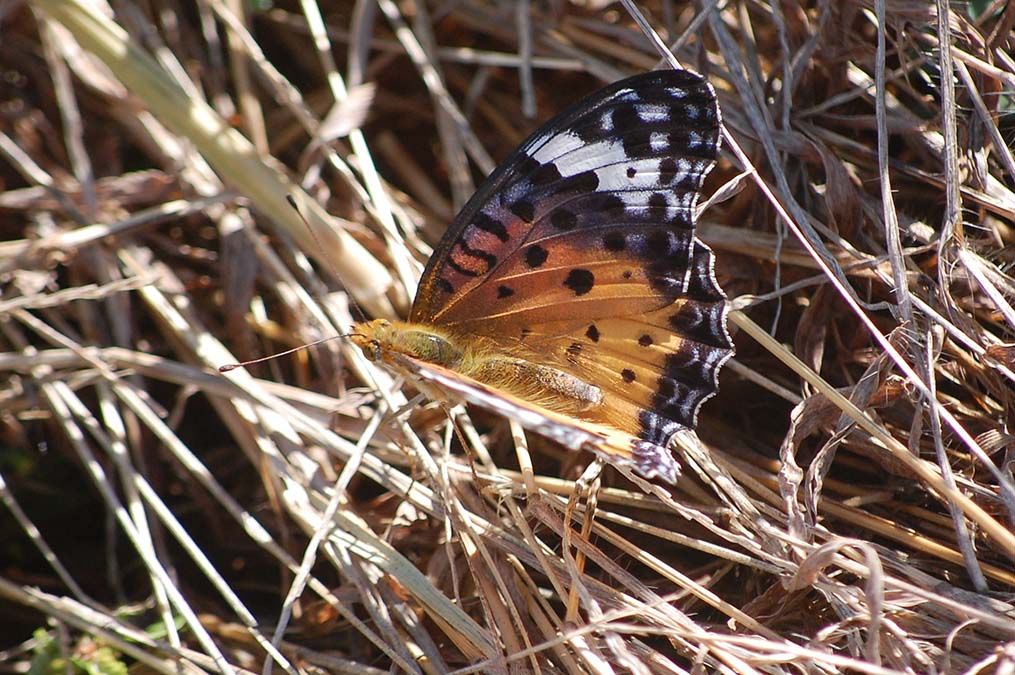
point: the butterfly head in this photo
(368, 337)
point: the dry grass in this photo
(853, 510)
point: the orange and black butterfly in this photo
(571, 293)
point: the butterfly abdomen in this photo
(544, 385)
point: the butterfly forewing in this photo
(633, 155)
(579, 253)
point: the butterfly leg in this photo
(552, 388)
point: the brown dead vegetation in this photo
(852, 507)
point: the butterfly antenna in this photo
(233, 366)
(360, 315)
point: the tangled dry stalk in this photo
(852, 504)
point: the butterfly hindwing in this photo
(649, 459)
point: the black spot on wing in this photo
(658, 201)
(614, 241)
(487, 224)
(667, 170)
(592, 333)
(535, 256)
(609, 204)
(545, 175)
(580, 281)
(524, 209)
(504, 292)
(681, 219)
(488, 259)
(580, 183)
(635, 133)
(453, 264)
(696, 143)
(563, 219)
(662, 246)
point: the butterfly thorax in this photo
(480, 359)
(380, 339)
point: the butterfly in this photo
(571, 293)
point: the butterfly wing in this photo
(650, 460)
(580, 251)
